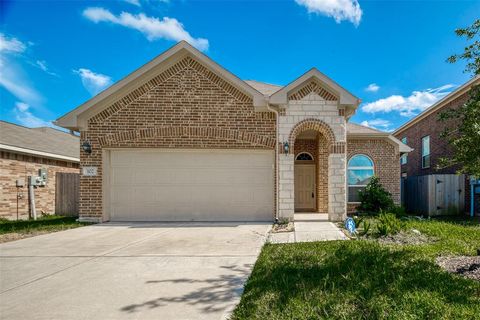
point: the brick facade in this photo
(385, 158)
(186, 106)
(15, 166)
(439, 147)
(189, 106)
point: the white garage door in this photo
(191, 185)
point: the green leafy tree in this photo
(463, 129)
(375, 198)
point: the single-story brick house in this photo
(183, 139)
(23, 151)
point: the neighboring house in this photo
(23, 151)
(183, 139)
(423, 134)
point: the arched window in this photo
(304, 156)
(360, 171)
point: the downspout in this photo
(277, 177)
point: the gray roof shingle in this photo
(264, 88)
(354, 128)
(42, 139)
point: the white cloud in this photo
(93, 82)
(13, 78)
(153, 28)
(26, 118)
(42, 64)
(134, 2)
(379, 124)
(14, 81)
(138, 3)
(12, 45)
(411, 105)
(340, 10)
(372, 87)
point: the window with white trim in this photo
(426, 152)
(403, 158)
(360, 171)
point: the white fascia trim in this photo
(38, 153)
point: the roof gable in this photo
(345, 98)
(77, 118)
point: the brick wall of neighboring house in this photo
(386, 162)
(439, 147)
(18, 166)
(186, 106)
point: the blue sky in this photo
(55, 55)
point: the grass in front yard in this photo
(14, 230)
(364, 279)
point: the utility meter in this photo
(41, 179)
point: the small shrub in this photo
(282, 221)
(358, 220)
(375, 198)
(388, 224)
(399, 211)
(365, 228)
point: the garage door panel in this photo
(191, 185)
(121, 176)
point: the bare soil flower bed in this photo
(410, 237)
(283, 227)
(466, 266)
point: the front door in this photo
(305, 187)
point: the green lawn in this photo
(363, 279)
(13, 230)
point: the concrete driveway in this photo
(129, 271)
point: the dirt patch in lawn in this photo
(411, 237)
(283, 227)
(17, 236)
(469, 267)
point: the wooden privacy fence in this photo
(67, 193)
(434, 195)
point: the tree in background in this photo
(464, 133)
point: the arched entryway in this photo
(327, 148)
(316, 138)
(311, 150)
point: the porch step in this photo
(311, 217)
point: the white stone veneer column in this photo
(337, 197)
(286, 186)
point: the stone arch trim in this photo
(311, 124)
(198, 132)
(321, 127)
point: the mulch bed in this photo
(468, 267)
